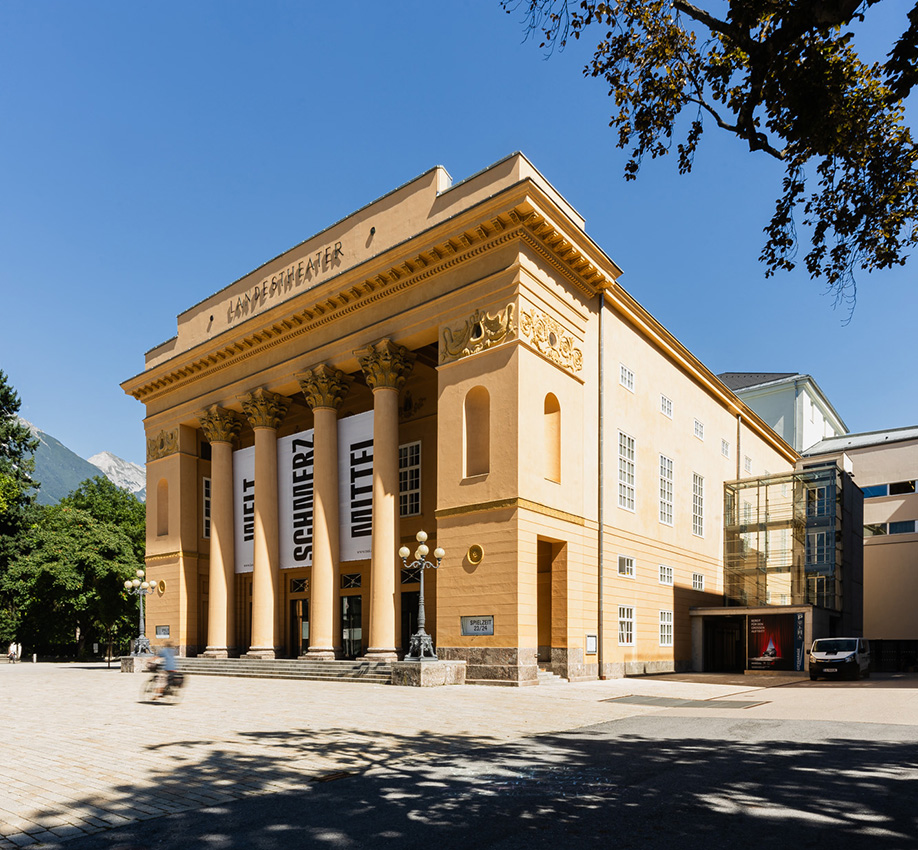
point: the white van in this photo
(840, 656)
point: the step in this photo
(376, 672)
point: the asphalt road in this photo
(673, 779)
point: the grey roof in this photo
(744, 380)
(830, 445)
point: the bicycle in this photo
(162, 685)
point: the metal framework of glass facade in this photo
(783, 541)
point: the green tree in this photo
(784, 78)
(66, 585)
(17, 445)
(107, 502)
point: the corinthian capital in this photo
(264, 409)
(323, 386)
(385, 364)
(219, 425)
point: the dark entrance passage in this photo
(410, 601)
(299, 627)
(723, 645)
(351, 626)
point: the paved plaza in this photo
(83, 754)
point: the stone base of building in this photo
(570, 664)
(260, 652)
(428, 674)
(618, 669)
(512, 666)
(135, 663)
(375, 654)
(215, 652)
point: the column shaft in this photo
(265, 575)
(221, 606)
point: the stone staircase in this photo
(548, 677)
(376, 672)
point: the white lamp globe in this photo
(128, 584)
(153, 585)
(144, 584)
(404, 552)
(421, 536)
(423, 549)
(139, 573)
(439, 553)
(136, 582)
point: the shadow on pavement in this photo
(616, 785)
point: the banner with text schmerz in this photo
(295, 495)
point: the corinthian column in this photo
(265, 411)
(221, 428)
(385, 366)
(324, 389)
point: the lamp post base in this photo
(142, 646)
(421, 648)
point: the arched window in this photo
(551, 420)
(477, 448)
(162, 507)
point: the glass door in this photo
(299, 626)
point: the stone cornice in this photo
(512, 216)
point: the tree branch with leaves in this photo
(786, 79)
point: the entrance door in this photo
(299, 626)
(723, 645)
(351, 626)
(410, 601)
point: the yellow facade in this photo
(479, 321)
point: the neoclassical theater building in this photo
(457, 358)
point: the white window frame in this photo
(666, 628)
(666, 406)
(206, 501)
(407, 495)
(697, 581)
(697, 504)
(747, 464)
(626, 566)
(666, 490)
(725, 448)
(666, 575)
(817, 548)
(626, 454)
(699, 429)
(626, 625)
(626, 377)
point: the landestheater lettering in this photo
(306, 270)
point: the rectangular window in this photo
(697, 504)
(817, 548)
(625, 625)
(666, 490)
(817, 501)
(409, 479)
(625, 471)
(666, 406)
(725, 448)
(875, 530)
(666, 628)
(626, 566)
(699, 429)
(902, 527)
(697, 581)
(626, 377)
(205, 500)
(875, 491)
(747, 464)
(666, 574)
(902, 488)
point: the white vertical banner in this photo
(244, 508)
(355, 485)
(295, 499)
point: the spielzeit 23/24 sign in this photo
(295, 495)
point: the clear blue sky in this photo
(152, 153)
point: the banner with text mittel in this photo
(295, 495)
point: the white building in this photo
(792, 403)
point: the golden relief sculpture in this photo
(546, 335)
(385, 364)
(323, 386)
(219, 425)
(264, 409)
(481, 331)
(163, 444)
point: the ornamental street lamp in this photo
(421, 647)
(140, 587)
